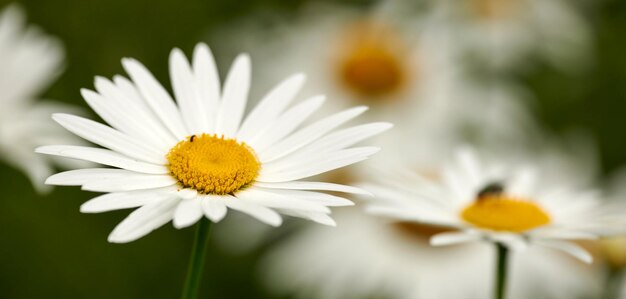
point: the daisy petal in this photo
(214, 207)
(320, 218)
(233, 102)
(108, 137)
(102, 156)
(121, 200)
(261, 213)
(315, 197)
(302, 169)
(569, 248)
(270, 106)
(156, 96)
(302, 185)
(286, 123)
(122, 107)
(188, 212)
(345, 138)
(278, 201)
(81, 176)
(449, 238)
(207, 82)
(189, 99)
(143, 221)
(130, 183)
(309, 134)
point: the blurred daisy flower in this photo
(393, 64)
(29, 62)
(394, 257)
(612, 250)
(514, 207)
(506, 33)
(200, 156)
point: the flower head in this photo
(199, 155)
(29, 62)
(491, 202)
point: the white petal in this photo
(286, 123)
(320, 218)
(207, 82)
(315, 197)
(156, 97)
(569, 248)
(186, 193)
(101, 156)
(234, 98)
(304, 185)
(309, 134)
(81, 176)
(449, 238)
(130, 183)
(344, 138)
(188, 212)
(275, 200)
(470, 164)
(187, 94)
(261, 213)
(563, 234)
(109, 138)
(122, 200)
(122, 107)
(214, 207)
(512, 241)
(143, 221)
(309, 167)
(270, 106)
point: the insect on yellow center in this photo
(371, 62)
(213, 165)
(501, 213)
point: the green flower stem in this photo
(501, 271)
(196, 262)
(614, 279)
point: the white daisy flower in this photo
(398, 66)
(506, 33)
(396, 260)
(29, 62)
(513, 207)
(199, 156)
(393, 259)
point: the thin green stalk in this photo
(614, 280)
(501, 271)
(196, 262)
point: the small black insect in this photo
(495, 188)
(192, 138)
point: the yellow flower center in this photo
(371, 62)
(213, 165)
(494, 9)
(500, 213)
(614, 250)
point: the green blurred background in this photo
(50, 250)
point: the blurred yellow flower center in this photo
(500, 213)
(213, 165)
(371, 62)
(614, 251)
(494, 9)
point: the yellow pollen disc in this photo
(494, 9)
(371, 62)
(213, 165)
(501, 213)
